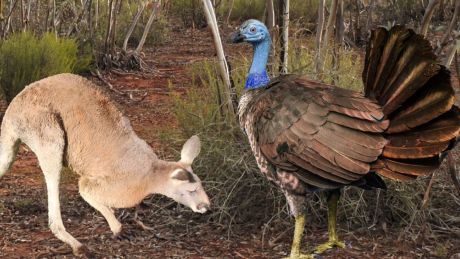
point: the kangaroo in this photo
(67, 121)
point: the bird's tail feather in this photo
(402, 74)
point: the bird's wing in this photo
(326, 136)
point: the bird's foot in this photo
(300, 256)
(328, 245)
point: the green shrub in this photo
(25, 58)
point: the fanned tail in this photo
(415, 92)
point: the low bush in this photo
(25, 58)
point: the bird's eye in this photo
(253, 29)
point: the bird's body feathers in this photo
(307, 135)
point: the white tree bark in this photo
(140, 10)
(155, 8)
(326, 38)
(319, 35)
(270, 15)
(450, 57)
(284, 54)
(453, 22)
(223, 66)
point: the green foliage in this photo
(25, 58)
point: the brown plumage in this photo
(328, 137)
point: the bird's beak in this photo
(236, 37)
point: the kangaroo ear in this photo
(182, 175)
(190, 150)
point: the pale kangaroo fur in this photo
(68, 121)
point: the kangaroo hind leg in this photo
(47, 141)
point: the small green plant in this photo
(25, 58)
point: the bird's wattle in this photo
(256, 80)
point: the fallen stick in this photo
(453, 171)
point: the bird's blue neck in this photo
(258, 76)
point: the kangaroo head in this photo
(182, 184)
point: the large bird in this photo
(308, 136)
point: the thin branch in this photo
(429, 11)
(224, 72)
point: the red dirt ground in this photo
(23, 215)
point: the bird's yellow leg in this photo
(332, 202)
(297, 240)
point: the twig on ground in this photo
(453, 171)
(426, 196)
(138, 221)
(129, 95)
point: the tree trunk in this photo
(357, 28)
(428, 15)
(369, 22)
(54, 16)
(327, 33)
(339, 36)
(453, 22)
(107, 44)
(451, 55)
(319, 35)
(117, 11)
(27, 20)
(227, 21)
(48, 12)
(270, 15)
(140, 10)
(90, 22)
(155, 8)
(340, 24)
(23, 15)
(96, 15)
(223, 66)
(8, 18)
(284, 36)
(37, 15)
(74, 25)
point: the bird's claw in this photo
(300, 256)
(328, 245)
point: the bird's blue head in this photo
(256, 33)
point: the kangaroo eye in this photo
(253, 29)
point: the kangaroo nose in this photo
(203, 207)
